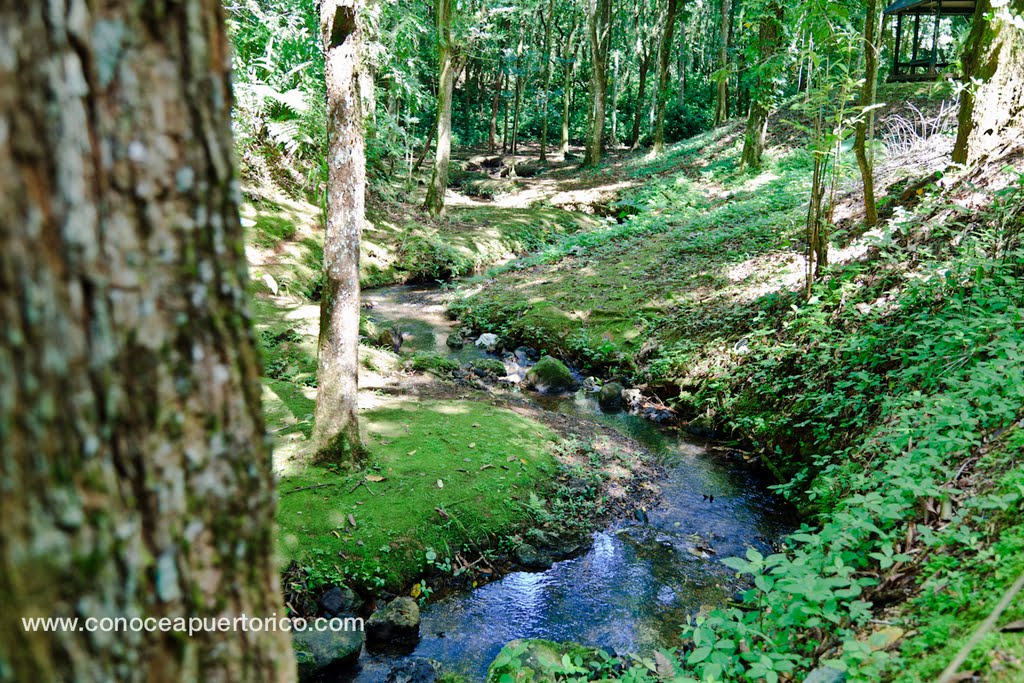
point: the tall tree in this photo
(644, 55)
(664, 58)
(763, 91)
(867, 101)
(599, 24)
(549, 21)
(722, 99)
(569, 50)
(136, 476)
(335, 425)
(446, 83)
(991, 114)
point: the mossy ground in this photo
(468, 459)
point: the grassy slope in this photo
(889, 400)
(285, 240)
(415, 445)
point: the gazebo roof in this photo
(930, 6)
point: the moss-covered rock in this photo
(610, 396)
(550, 375)
(536, 661)
(320, 653)
(396, 624)
(488, 366)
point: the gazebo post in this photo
(932, 63)
(899, 41)
(917, 39)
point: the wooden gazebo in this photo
(923, 58)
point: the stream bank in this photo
(642, 573)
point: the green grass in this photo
(488, 460)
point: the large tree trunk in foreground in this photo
(599, 20)
(992, 113)
(763, 95)
(867, 100)
(446, 83)
(664, 56)
(335, 427)
(135, 470)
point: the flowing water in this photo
(636, 585)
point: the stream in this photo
(636, 585)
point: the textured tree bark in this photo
(599, 19)
(135, 473)
(867, 99)
(722, 102)
(446, 83)
(335, 426)
(664, 57)
(991, 117)
(769, 43)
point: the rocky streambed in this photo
(636, 580)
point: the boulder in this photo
(414, 670)
(455, 341)
(550, 375)
(391, 338)
(322, 653)
(396, 624)
(610, 396)
(483, 367)
(525, 353)
(338, 601)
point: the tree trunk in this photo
(446, 82)
(136, 474)
(519, 95)
(867, 99)
(992, 113)
(546, 79)
(634, 135)
(599, 19)
(722, 102)
(335, 427)
(763, 95)
(664, 56)
(492, 135)
(571, 48)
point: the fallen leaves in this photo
(375, 478)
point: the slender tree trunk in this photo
(446, 83)
(763, 96)
(645, 66)
(569, 56)
(664, 57)
(519, 94)
(615, 99)
(599, 29)
(992, 112)
(335, 427)
(867, 99)
(136, 475)
(492, 135)
(546, 80)
(722, 102)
